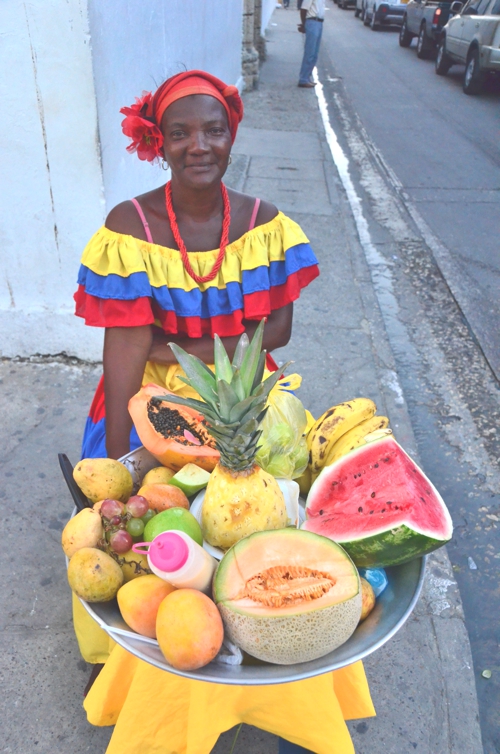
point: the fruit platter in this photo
(246, 542)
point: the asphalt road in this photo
(425, 166)
(443, 147)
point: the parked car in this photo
(424, 19)
(471, 37)
(344, 4)
(379, 13)
(359, 9)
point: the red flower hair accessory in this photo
(147, 139)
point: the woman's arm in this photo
(277, 333)
(126, 351)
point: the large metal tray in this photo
(392, 610)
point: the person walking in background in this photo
(312, 14)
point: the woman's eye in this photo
(217, 131)
(177, 134)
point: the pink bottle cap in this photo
(168, 552)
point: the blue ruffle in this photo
(212, 302)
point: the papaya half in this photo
(174, 435)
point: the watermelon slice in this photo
(378, 504)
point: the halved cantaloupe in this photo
(285, 597)
(174, 435)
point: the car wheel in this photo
(474, 77)
(356, 12)
(366, 17)
(423, 46)
(404, 35)
(374, 26)
(443, 60)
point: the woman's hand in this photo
(125, 355)
(277, 333)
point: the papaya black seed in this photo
(372, 495)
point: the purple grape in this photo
(115, 520)
(120, 541)
(110, 508)
(137, 506)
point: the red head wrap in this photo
(143, 119)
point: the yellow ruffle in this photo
(155, 711)
(114, 253)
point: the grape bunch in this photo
(124, 524)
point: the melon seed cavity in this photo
(281, 586)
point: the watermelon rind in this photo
(390, 548)
(389, 545)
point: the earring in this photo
(230, 160)
(164, 164)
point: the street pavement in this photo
(422, 680)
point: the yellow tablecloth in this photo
(155, 712)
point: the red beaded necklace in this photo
(226, 221)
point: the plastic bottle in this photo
(178, 559)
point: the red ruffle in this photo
(262, 303)
(142, 311)
(110, 312)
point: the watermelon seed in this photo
(321, 513)
(383, 510)
(376, 465)
(372, 495)
(360, 509)
(371, 513)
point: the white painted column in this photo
(51, 188)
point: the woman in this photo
(182, 263)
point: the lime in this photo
(173, 518)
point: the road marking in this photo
(380, 269)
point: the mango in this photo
(158, 475)
(133, 564)
(367, 598)
(83, 530)
(189, 629)
(100, 478)
(161, 497)
(139, 601)
(93, 575)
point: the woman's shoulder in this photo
(242, 212)
(126, 218)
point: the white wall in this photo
(135, 50)
(268, 7)
(56, 57)
(51, 187)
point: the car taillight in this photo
(383, 9)
(437, 13)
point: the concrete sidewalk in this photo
(422, 681)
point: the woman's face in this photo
(197, 141)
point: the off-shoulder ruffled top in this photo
(124, 281)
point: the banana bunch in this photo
(338, 431)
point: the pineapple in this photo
(241, 498)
